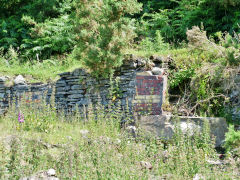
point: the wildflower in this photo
(20, 117)
(28, 101)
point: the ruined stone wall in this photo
(138, 86)
(20, 89)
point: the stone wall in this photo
(138, 86)
(20, 89)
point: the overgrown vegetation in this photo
(200, 41)
(103, 31)
(35, 138)
(201, 37)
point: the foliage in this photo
(54, 36)
(155, 44)
(202, 71)
(34, 71)
(103, 32)
(232, 140)
(36, 27)
(174, 17)
(99, 149)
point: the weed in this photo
(95, 147)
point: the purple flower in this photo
(20, 117)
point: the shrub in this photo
(155, 44)
(103, 32)
(232, 140)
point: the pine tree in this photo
(103, 31)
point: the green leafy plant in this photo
(232, 140)
(103, 31)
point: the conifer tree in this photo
(103, 31)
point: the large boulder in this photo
(163, 126)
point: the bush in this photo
(36, 27)
(174, 18)
(203, 71)
(232, 140)
(103, 32)
(54, 36)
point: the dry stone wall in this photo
(20, 89)
(137, 86)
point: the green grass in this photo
(46, 71)
(49, 140)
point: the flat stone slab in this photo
(163, 126)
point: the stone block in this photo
(77, 87)
(162, 126)
(64, 74)
(78, 91)
(75, 96)
(63, 89)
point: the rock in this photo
(237, 127)
(236, 151)
(141, 62)
(2, 95)
(157, 126)
(118, 141)
(163, 126)
(19, 80)
(75, 96)
(51, 172)
(42, 175)
(189, 128)
(77, 87)
(146, 165)
(145, 73)
(199, 177)
(75, 92)
(3, 79)
(84, 132)
(215, 162)
(157, 71)
(132, 130)
(64, 74)
(46, 175)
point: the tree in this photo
(103, 31)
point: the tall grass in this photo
(96, 147)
